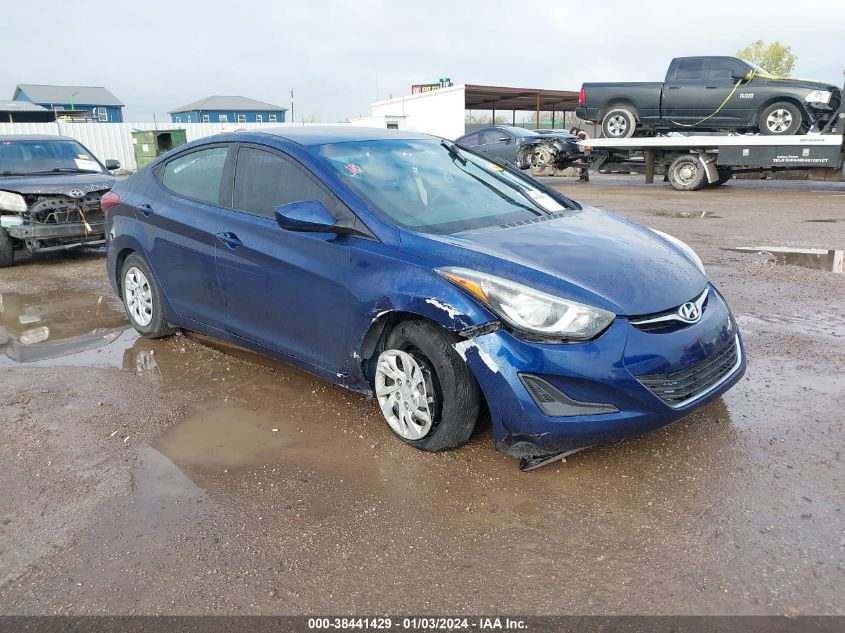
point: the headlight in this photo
(531, 311)
(684, 247)
(819, 96)
(12, 202)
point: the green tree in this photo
(775, 57)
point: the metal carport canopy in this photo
(506, 98)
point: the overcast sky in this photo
(340, 56)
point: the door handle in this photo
(674, 87)
(145, 209)
(229, 239)
(710, 87)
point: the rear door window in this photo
(470, 140)
(197, 175)
(266, 180)
(490, 136)
(690, 69)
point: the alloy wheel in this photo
(779, 120)
(139, 296)
(617, 125)
(405, 393)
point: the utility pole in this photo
(292, 118)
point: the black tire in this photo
(619, 122)
(781, 119)
(457, 396)
(7, 249)
(158, 326)
(686, 173)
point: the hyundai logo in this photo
(76, 193)
(689, 312)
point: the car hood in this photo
(588, 255)
(57, 183)
(802, 83)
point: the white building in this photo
(442, 112)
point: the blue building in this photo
(96, 102)
(221, 109)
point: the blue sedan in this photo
(401, 265)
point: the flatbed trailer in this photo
(692, 162)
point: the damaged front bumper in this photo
(545, 399)
(41, 237)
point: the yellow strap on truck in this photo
(748, 77)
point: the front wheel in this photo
(686, 173)
(780, 119)
(619, 122)
(7, 249)
(142, 298)
(425, 390)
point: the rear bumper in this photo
(590, 115)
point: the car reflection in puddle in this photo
(815, 258)
(46, 326)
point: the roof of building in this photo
(21, 106)
(477, 97)
(507, 98)
(228, 103)
(84, 95)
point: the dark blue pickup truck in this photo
(710, 94)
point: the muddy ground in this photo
(181, 476)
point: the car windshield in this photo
(26, 157)
(757, 69)
(435, 187)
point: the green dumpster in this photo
(151, 143)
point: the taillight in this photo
(109, 199)
(581, 98)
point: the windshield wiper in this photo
(64, 170)
(454, 151)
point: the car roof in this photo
(327, 134)
(34, 137)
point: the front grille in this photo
(680, 387)
(668, 321)
(61, 209)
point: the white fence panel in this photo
(28, 128)
(114, 140)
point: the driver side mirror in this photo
(505, 139)
(308, 215)
(112, 164)
(738, 76)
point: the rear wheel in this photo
(7, 249)
(425, 390)
(142, 298)
(686, 173)
(780, 119)
(619, 122)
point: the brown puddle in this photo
(815, 258)
(52, 324)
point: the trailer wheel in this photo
(7, 249)
(780, 119)
(619, 122)
(686, 173)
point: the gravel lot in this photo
(181, 476)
